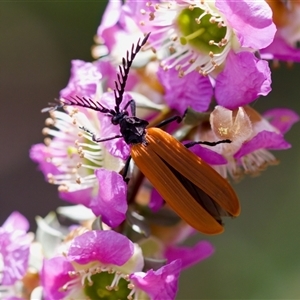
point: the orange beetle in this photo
(194, 190)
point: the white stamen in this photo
(177, 54)
(75, 158)
(255, 162)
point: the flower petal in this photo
(77, 213)
(227, 124)
(209, 156)
(110, 16)
(243, 79)
(84, 80)
(161, 284)
(281, 50)
(282, 118)
(263, 140)
(16, 221)
(192, 90)
(80, 196)
(14, 248)
(39, 153)
(156, 200)
(190, 255)
(110, 202)
(251, 21)
(54, 275)
(107, 247)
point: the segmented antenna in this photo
(86, 103)
(119, 90)
(53, 106)
(124, 70)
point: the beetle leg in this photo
(191, 144)
(99, 140)
(125, 170)
(178, 119)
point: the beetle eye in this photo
(115, 120)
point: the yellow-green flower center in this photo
(198, 30)
(99, 290)
(71, 150)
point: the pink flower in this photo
(14, 249)
(252, 137)
(107, 262)
(71, 157)
(93, 259)
(216, 39)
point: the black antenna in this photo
(87, 103)
(120, 84)
(53, 106)
(124, 71)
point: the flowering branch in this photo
(204, 62)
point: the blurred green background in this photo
(258, 255)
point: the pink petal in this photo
(110, 16)
(111, 201)
(161, 284)
(107, 247)
(281, 50)
(85, 77)
(54, 275)
(16, 221)
(243, 79)
(192, 90)
(282, 118)
(209, 156)
(14, 248)
(15, 251)
(81, 196)
(156, 200)
(263, 140)
(39, 153)
(110, 27)
(190, 255)
(251, 21)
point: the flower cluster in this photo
(202, 61)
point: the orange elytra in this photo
(193, 189)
